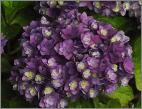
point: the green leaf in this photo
(24, 17)
(81, 103)
(104, 101)
(16, 4)
(138, 104)
(8, 13)
(101, 101)
(137, 62)
(113, 103)
(124, 94)
(10, 9)
(98, 103)
(17, 102)
(11, 31)
(15, 16)
(117, 22)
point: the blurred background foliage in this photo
(16, 14)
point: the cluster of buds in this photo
(74, 55)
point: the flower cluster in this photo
(113, 8)
(105, 8)
(73, 56)
(53, 8)
(3, 43)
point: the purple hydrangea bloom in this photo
(110, 88)
(128, 65)
(30, 92)
(53, 8)
(106, 8)
(3, 43)
(93, 62)
(70, 32)
(114, 8)
(111, 8)
(72, 86)
(87, 39)
(46, 46)
(50, 101)
(84, 86)
(72, 56)
(65, 48)
(93, 92)
(111, 75)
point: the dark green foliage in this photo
(137, 61)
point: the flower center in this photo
(73, 85)
(104, 32)
(126, 6)
(117, 7)
(61, 2)
(91, 93)
(115, 67)
(38, 78)
(29, 74)
(98, 5)
(86, 73)
(47, 33)
(32, 91)
(84, 84)
(48, 90)
(81, 66)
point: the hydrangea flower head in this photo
(72, 56)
